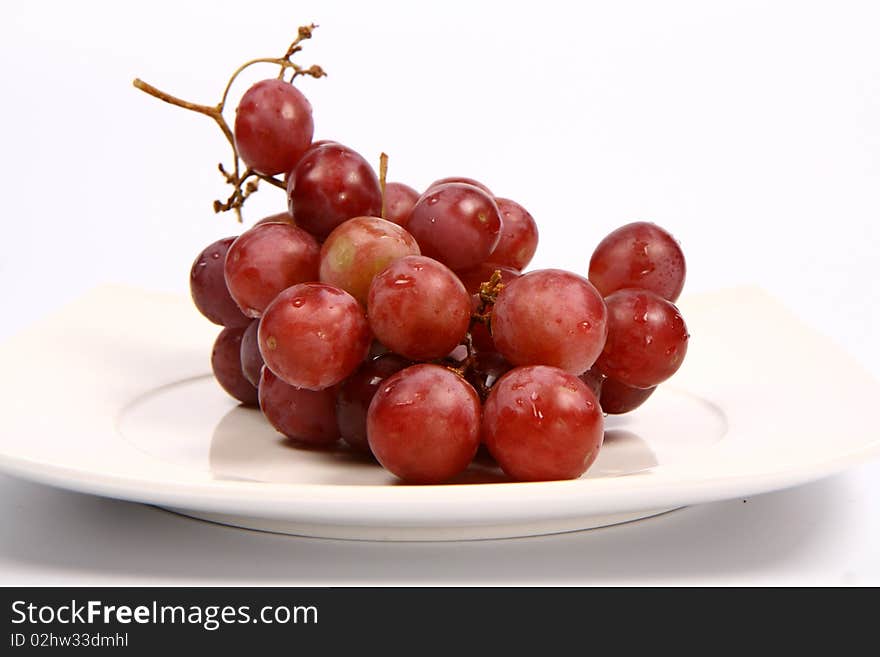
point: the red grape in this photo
(647, 339)
(207, 285)
(594, 380)
(267, 259)
(357, 392)
(485, 370)
(550, 317)
(359, 249)
(279, 218)
(457, 224)
(418, 308)
(307, 416)
(424, 424)
(330, 184)
(399, 202)
(639, 255)
(251, 359)
(314, 335)
(541, 423)
(618, 398)
(226, 364)
(519, 235)
(473, 279)
(273, 126)
(462, 180)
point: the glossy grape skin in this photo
(314, 336)
(473, 279)
(356, 393)
(278, 218)
(424, 424)
(306, 416)
(226, 364)
(332, 183)
(457, 224)
(418, 308)
(519, 235)
(207, 285)
(463, 180)
(618, 398)
(399, 202)
(360, 248)
(639, 255)
(647, 339)
(273, 126)
(550, 317)
(541, 423)
(251, 359)
(265, 260)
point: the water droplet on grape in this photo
(403, 281)
(299, 302)
(586, 326)
(649, 339)
(533, 396)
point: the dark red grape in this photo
(639, 255)
(330, 184)
(594, 380)
(519, 235)
(618, 398)
(424, 424)
(360, 248)
(307, 416)
(399, 202)
(647, 339)
(226, 364)
(314, 335)
(273, 126)
(463, 180)
(267, 259)
(541, 423)
(208, 286)
(550, 317)
(251, 359)
(485, 370)
(418, 308)
(457, 224)
(357, 392)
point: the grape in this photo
(639, 255)
(550, 317)
(314, 336)
(208, 286)
(307, 416)
(357, 392)
(457, 224)
(279, 218)
(647, 339)
(541, 423)
(399, 202)
(359, 249)
(267, 259)
(618, 398)
(330, 184)
(594, 380)
(226, 363)
(251, 359)
(473, 279)
(424, 424)
(485, 370)
(273, 126)
(418, 308)
(462, 180)
(519, 235)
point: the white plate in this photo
(112, 396)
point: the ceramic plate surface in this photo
(113, 396)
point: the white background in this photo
(751, 130)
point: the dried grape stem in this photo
(383, 174)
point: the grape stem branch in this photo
(243, 183)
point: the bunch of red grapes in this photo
(402, 322)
